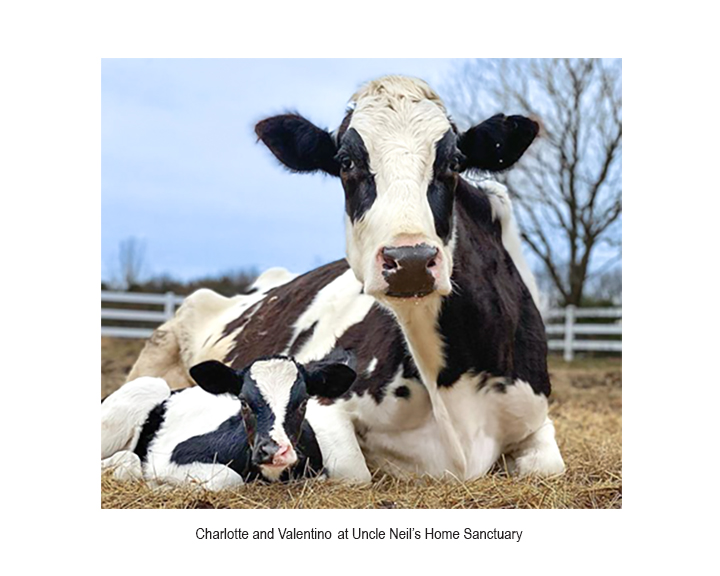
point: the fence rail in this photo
(168, 301)
(569, 328)
(562, 335)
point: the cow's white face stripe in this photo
(274, 379)
(400, 120)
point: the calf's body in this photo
(235, 427)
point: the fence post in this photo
(169, 305)
(569, 336)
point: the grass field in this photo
(586, 406)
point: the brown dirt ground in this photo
(586, 406)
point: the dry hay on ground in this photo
(586, 407)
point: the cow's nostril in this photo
(389, 263)
(431, 263)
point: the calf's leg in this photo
(209, 476)
(124, 464)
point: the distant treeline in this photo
(227, 284)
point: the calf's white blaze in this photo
(274, 379)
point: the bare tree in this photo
(131, 260)
(567, 189)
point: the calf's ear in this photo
(216, 378)
(328, 379)
(299, 144)
(496, 144)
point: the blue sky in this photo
(183, 173)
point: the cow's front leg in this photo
(537, 454)
(524, 430)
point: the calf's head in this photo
(399, 158)
(273, 393)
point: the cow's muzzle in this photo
(409, 270)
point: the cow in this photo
(434, 297)
(234, 427)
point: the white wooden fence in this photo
(165, 304)
(561, 335)
(572, 325)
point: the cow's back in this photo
(195, 333)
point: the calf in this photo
(234, 427)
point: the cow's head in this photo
(399, 158)
(273, 394)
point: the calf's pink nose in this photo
(282, 454)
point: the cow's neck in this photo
(421, 322)
(418, 321)
(477, 251)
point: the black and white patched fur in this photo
(435, 298)
(235, 426)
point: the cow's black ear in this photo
(330, 377)
(498, 143)
(216, 378)
(299, 144)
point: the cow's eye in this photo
(346, 163)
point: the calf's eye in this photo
(249, 419)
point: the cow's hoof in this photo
(537, 462)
